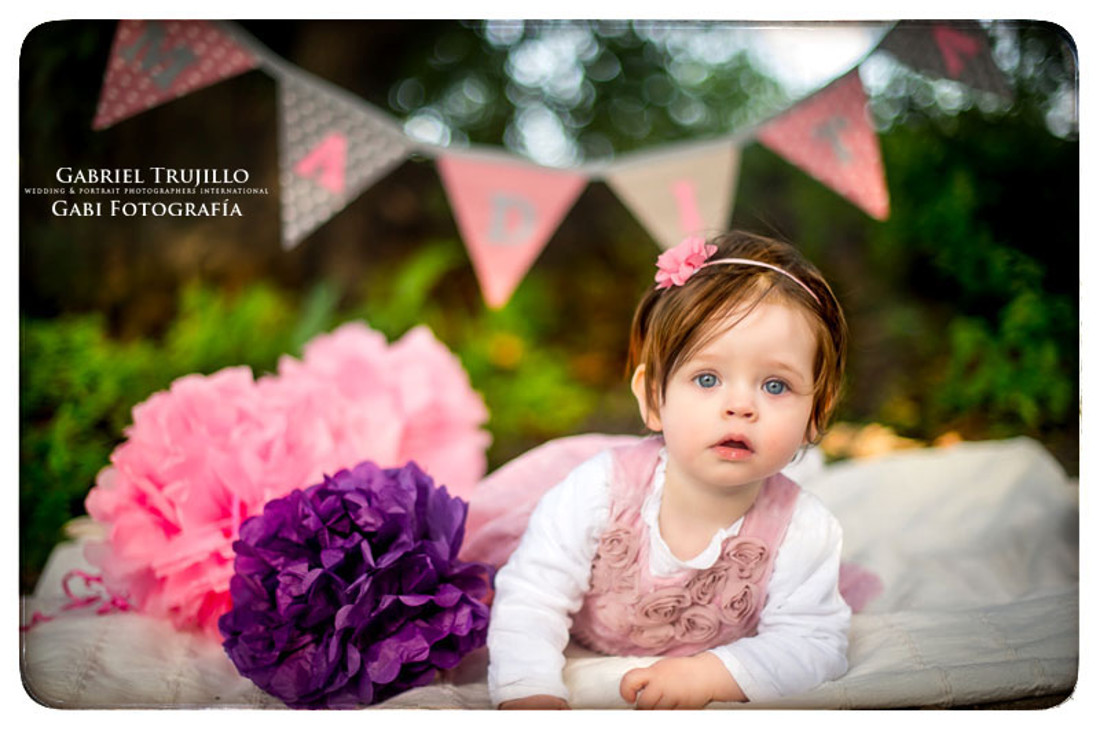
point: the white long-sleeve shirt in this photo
(802, 635)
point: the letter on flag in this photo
(830, 137)
(506, 211)
(154, 61)
(326, 163)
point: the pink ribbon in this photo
(107, 604)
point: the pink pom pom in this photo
(440, 412)
(212, 450)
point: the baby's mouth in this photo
(737, 444)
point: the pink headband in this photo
(675, 266)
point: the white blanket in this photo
(976, 544)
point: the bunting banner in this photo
(154, 61)
(506, 211)
(331, 149)
(956, 50)
(333, 145)
(679, 192)
(830, 137)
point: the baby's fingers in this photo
(651, 698)
(632, 682)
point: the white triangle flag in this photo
(679, 191)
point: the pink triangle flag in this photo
(155, 61)
(506, 211)
(829, 136)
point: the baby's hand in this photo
(536, 703)
(680, 682)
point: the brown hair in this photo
(670, 325)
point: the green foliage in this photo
(213, 330)
(77, 388)
(1015, 372)
(973, 239)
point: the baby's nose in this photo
(741, 404)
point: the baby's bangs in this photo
(717, 305)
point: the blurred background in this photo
(963, 304)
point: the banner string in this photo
(825, 132)
(595, 170)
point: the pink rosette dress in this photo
(502, 505)
(592, 569)
(629, 611)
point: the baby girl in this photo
(691, 544)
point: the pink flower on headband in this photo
(676, 265)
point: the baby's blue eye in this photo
(706, 380)
(775, 387)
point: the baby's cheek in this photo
(788, 440)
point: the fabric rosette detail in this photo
(706, 585)
(613, 569)
(211, 450)
(663, 606)
(653, 637)
(350, 591)
(655, 616)
(697, 624)
(737, 603)
(746, 558)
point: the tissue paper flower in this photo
(419, 389)
(210, 451)
(198, 459)
(350, 592)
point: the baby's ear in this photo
(638, 387)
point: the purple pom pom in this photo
(350, 592)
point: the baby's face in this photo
(738, 410)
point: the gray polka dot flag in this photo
(332, 147)
(957, 50)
